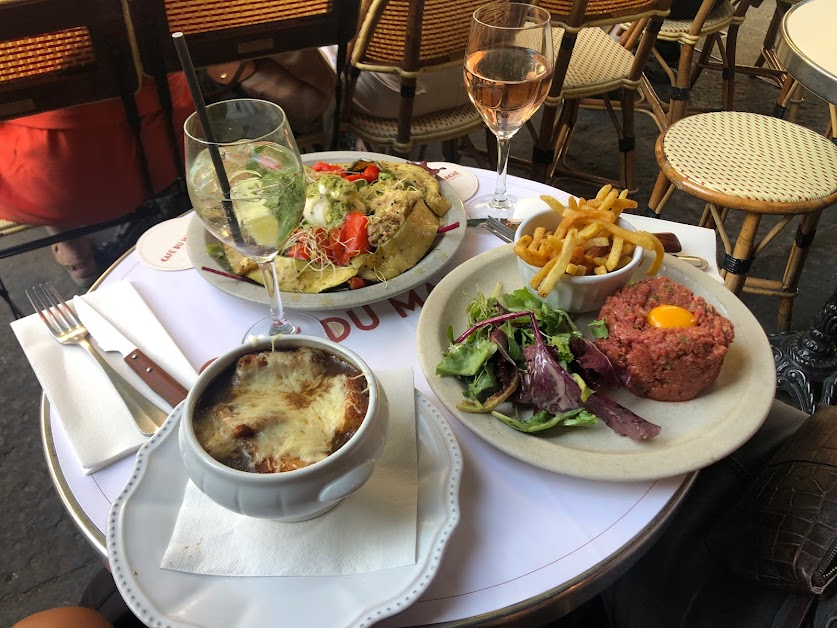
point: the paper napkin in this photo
(372, 529)
(97, 423)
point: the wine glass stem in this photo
(501, 199)
(278, 323)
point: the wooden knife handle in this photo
(156, 377)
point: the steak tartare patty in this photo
(666, 364)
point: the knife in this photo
(111, 339)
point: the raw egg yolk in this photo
(670, 316)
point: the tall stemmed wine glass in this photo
(266, 184)
(508, 71)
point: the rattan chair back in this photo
(221, 31)
(56, 54)
(406, 37)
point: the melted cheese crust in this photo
(283, 410)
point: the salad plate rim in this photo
(596, 459)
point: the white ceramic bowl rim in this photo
(222, 362)
(636, 257)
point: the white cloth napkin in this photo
(98, 425)
(372, 529)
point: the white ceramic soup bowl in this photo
(574, 294)
(295, 495)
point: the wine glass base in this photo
(303, 324)
(484, 206)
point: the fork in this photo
(65, 326)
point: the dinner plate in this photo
(436, 258)
(694, 433)
(143, 515)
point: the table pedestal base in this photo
(806, 362)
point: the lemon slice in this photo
(254, 217)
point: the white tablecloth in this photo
(486, 567)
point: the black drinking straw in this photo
(203, 118)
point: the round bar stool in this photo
(758, 165)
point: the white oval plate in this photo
(143, 515)
(437, 257)
(694, 433)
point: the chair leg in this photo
(738, 264)
(4, 294)
(728, 73)
(543, 152)
(627, 144)
(796, 262)
(663, 189)
(680, 90)
(703, 59)
(450, 151)
(491, 149)
(563, 134)
(770, 34)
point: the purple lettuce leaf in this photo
(620, 419)
(595, 366)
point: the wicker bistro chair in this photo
(718, 24)
(407, 38)
(591, 63)
(224, 31)
(763, 167)
(56, 54)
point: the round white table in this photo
(492, 568)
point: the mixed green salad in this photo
(531, 367)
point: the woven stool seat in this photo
(751, 156)
(760, 166)
(427, 128)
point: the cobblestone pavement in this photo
(45, 560)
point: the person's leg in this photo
(64, 617)
(76, 256)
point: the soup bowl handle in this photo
(349, 483)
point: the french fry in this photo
(608, 201)
(590, 231)
(530, 258)
(615, 253)
(536, 238)
(560, 266)
(643, 239)
(602, 194)
(536, 280)
(587, 240)
(554, 204)
(598, 241)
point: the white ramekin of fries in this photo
(573, 257)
